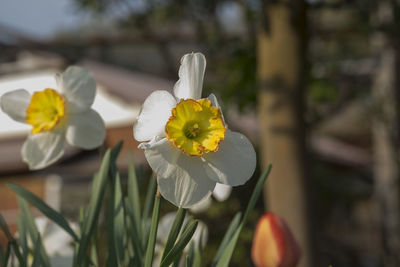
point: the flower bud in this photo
(274, 244)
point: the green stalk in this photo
(153, 230)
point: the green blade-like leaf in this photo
(227, 253)
(180, 244)
(31, 228)
(151, 190)
(115, 151)
(174, 232)
(93, 254)
(112, 252)
(12, 241)
(153, 232)
(1, 255)
(22, 236)
(93, 209)
(6, 255)
(190, 256)
(135, 244)
(227, 237)
(36, 254)
(119, 223)
(133, 210)
(44, 208)
(4, 228)
(133, 194)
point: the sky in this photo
(40, 19)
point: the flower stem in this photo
(153, 230)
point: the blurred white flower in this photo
(221, 193)
(187, 142)
(164, 227)
(57, 243)
(56, 117)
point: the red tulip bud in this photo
(273, 244)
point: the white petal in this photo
(164, 227)
(222, 192)
(184, 191)
(41, 150)
(155, 113)
(15, 103)
(215, 103)
(202, 206)
(234, 162)
(201, 232)
(191, 74)
(78, 87)
(181, 177)
(163, 157)
(86, 130)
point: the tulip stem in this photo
(153, 230)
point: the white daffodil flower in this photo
(187, 142)
(56, 117)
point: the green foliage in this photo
(129, 241)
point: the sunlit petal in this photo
(154, 115)
(181, 177)
(234, 162)
(15, 103)
(222, 192)
(42, 149)
(215, 103)
(86, 130)
(78, 87)
(202, 206)
(191, 74)
(184, 191)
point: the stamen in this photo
(192, 130)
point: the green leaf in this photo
(181, 244)
(22, 233)
(44, 208)
(135, 254)
(153, 232)
(227, 253)
(36, 254)
(93, 210)
(6, 256)
(115, 151)
(227, 237)
(4, 228)
(2, 255)
(151, 190)
(29, 223)
(133, 210)
(93, 253)
(133, 194)
(119, 224)
(190, 256)
(174, 232)
(112, 252)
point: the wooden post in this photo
(281, 65)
